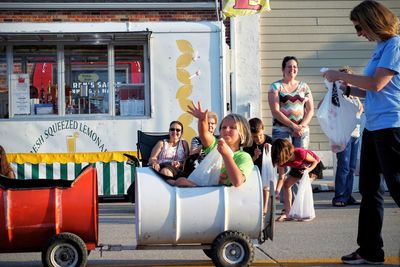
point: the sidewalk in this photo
(327, 183)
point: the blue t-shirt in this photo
(382, 109)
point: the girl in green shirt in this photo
(234, 134)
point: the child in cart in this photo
(284, 154)
(234, 134)
(261, 141)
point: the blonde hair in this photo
(281, 152)
(213, 115)
(378, 21)
(242, 127)
(346, 69)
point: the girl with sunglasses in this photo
(168, 156)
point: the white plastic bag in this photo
(208, 171)
(268, 171)
(303, 204)
(337, 117)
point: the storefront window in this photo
(3, 84)
(34, 80)
(130, 80)
(86, 79)
(74, 75)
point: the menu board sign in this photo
(20, 93)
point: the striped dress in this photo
(291, 104)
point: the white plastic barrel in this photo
(167, 214)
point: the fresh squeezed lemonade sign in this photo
(77, 128)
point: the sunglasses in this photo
(358, 28)
(175, 130)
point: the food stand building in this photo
(84, 76)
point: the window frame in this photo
(132, 39)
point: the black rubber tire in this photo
(65, 249)
(232, 248)
(208, 253)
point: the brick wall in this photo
(107, 16)
(113, 16)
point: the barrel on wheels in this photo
(42, 215)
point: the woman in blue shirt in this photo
(380, 149)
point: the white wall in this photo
(246, 87)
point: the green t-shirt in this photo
(242, 159)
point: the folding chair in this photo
(146, 142)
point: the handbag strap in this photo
(335, 96)
(176, 151)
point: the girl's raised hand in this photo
(197, 112)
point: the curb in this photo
(323, 187)
(326, 184)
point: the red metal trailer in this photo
(57, 217)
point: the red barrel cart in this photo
(56, 217)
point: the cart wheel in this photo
(232, 248)
(65, 250)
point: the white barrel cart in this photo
(226, 222)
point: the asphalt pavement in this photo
(320, 242)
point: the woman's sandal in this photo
(339, 204)
(283, 218)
